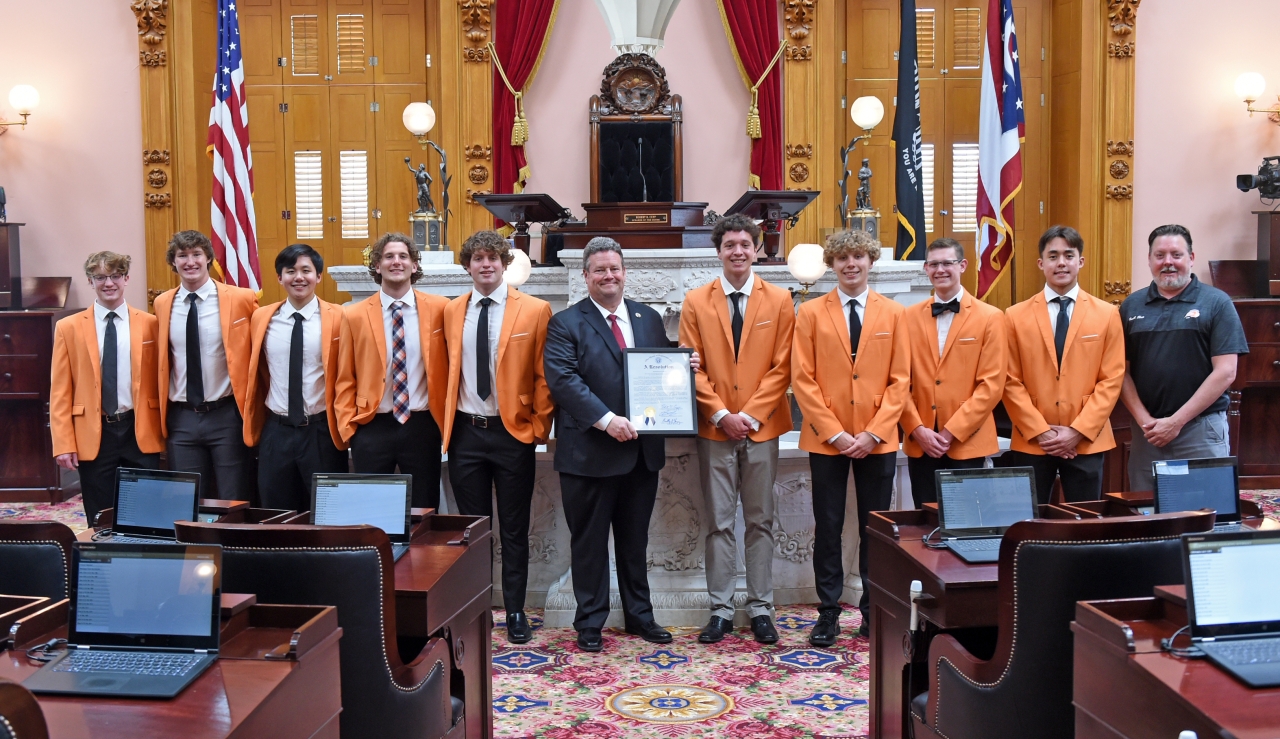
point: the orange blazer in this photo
(524, 400)
(755, 382)
(837, 394)
(1084, 393)
(958, 389)
(362, 361)
(331, 319)
(75, 395)
(235, 307)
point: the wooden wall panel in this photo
(1117, 205)
(812, 92)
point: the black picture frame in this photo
(686, 356)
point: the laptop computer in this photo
(353, 499)
(1193, 484)
(975, 507)
(1232, 608)
(148, 502)
(144, 620)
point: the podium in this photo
(642, 226)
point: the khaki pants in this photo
(731, 470)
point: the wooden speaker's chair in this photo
(1025, 689)
(636, 145)
(35, 557)
(20, 714)
(349, 567)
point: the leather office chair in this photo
(349, 567)
(1045, 568)
(35, 558)
(20, 714)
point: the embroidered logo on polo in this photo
(1193, 313)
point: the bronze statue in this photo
(423, 178)
(864, 186)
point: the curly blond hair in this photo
(853, 242)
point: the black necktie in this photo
(855, 329)
(195, 380)
(110, 395)
(940, 308)
(297, 409)
(484, 383)
(1061, 326)
(737, 321)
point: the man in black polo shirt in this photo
(1182, 339)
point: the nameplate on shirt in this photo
(629, 218)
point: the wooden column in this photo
(1117, 205)
(157, 138)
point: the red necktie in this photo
(617, 332)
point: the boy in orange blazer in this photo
(203, 370)
(293, 365)
(104, 409)
(851, 374)
(741, 327)
(958, 364)
(497, 408)
(1066, 367)
(393, 370)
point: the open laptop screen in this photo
(1193, 484)
(351, 500)
(978, 501)
(1227, 589)
(149, 501)
(151, 595)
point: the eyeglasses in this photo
(100, 279)
(945, 264)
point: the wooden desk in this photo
(241, 695)
(1127, 687)
(443, 589)
(1143, 503)
(27, 469)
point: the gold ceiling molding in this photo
(152, 18)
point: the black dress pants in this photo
(485, 458)
(591, 506)
(873, 479)
(1081, 476)
(383, 444)
(212, 443)
(289, 455)
(118, 448)
(924, 484)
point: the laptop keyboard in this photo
(974, 545)
(134, 663)
(1233, 527)
(1260, 651)
(118, 539)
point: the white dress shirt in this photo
(279, 344)
(1050, 295)
(860, 306)
(213, 362)
(413, 352)
(945, 318)
(468, 401)
(624, 323)
(124, 366)
(729, 290)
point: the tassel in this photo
(753, 117)
(520, 126)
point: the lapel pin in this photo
(637, 315)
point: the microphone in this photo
(643, 184)
(917, 589)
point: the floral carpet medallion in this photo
(669, 704)
(525, 660)
(663, 659)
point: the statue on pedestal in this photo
(423, 178)
(863, 197)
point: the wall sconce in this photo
(806, 265)
(24, 99)
(1249, 87)
(866, 112)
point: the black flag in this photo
(907, 141)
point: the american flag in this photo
(235, 239)
(1001, 130)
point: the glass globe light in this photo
(24, 98)
(867, 112)
(519, 270)
(419, 118)
(805, 263)
(1249, 86)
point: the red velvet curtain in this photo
(752, 26)
(521, 29)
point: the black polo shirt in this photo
(1170, 343)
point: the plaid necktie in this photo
(399, 366)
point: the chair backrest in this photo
(1046, 567)
(20, 714)
(636, 147)
(35, 558)
(349, 567)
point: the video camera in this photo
(1267, 181)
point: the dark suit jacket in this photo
(584, 371)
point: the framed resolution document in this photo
(661, 396)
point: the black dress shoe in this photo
(762, 629)
(589, 640)
(518, 629)
(651, 632)
(715, 630)
(826, 630)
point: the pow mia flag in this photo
(907, 141)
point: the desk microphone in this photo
(917, 589)
(643, 184)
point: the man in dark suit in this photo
(608, 473)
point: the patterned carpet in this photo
(737, 689)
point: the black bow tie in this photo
(940, 308)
